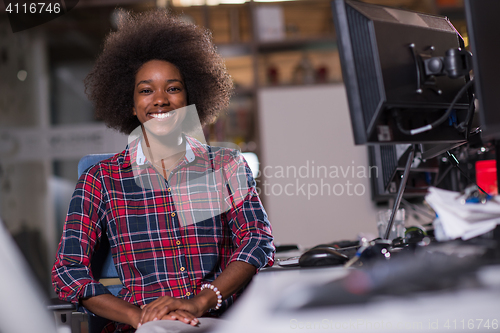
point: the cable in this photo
(440, 120)
(454, 161)
(464, 125)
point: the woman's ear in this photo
(133, 111)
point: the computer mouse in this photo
(322, 256)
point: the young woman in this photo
(186, 227)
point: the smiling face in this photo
(159, 91)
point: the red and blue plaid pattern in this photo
(165, 240)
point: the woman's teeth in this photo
(162, 115)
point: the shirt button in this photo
(173, 214)
(182, 269)
(188, 294)
(178, 242)
(169, 189)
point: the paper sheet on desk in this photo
(462, 220)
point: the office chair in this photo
(68, 318)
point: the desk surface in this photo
(476, 309)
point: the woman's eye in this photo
(145, 91)
(174, 89)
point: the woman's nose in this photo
(161, 98)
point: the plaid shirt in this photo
(166, 237)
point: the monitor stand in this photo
(401, 190)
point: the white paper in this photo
(462, 220)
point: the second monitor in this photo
(397, 67)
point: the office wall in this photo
(313, 179)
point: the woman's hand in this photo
(233, 278)
(183, 316)
(171, 308)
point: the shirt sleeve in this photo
(71, 275)
(251, 230)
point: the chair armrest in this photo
(66, 319)
(55, 304)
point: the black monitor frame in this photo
(484, 35)
(383, 52)
(484, 42)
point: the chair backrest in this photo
(102, 262)
(89, 160)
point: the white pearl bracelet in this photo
(216, 291)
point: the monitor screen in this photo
(484, 40)
(390, 93)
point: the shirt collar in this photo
(194, 149)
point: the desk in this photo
(424, 312)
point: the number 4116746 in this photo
(33, 8)
(471, 324)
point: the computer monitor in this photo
(484, 37)
(407, 82)
(394, 94)
(484, 40)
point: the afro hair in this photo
(156, 35)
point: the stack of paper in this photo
(457, 219)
